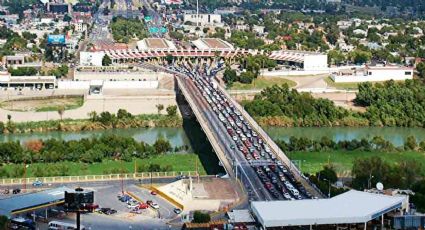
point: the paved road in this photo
(248, 176)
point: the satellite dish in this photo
(379, 186)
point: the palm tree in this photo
(61, 111)
(93, 116)
(160, 107)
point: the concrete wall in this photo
(376, 75)
(130, 84)
(74, 85)
(276, 73)
(315, 62)
(120, 76)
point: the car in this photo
(143, 206)
(154, 205)
(37, 183)
(177, 211)
(153, 193)
(16, 191)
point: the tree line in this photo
(388, 104)
(86, 150)
(377, 143)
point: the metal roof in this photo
(350, 207)
(20, 203)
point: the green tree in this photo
(172, 110)
(328, 173)
(410, 143)
(61, 111)
(4, 222)
(162, 146)
(159, 107)
(200, 217)
(421, 70)
(106, 60)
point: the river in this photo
(179, 137)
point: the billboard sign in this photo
(153, 30)
(56, 39)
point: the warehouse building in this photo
(307, 61)
(350, 208)
(373, 73)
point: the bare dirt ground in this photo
(220, 189)
(41, 104)
(341, 99)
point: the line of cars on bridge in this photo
(275, 176)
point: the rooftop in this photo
(350, 207)
(212, 43)
(20, 203)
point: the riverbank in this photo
(312, 162)
(74, 125)
(161, 163)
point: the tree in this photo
(421, 70)
(200, 217)
(172, 110)
(61, 111)
(123, 114)
(34, 145)
(160, 107)
(410, 143)
(161, 146)
(93, 116)
(328, 173)
(106, 60)
(169, 58)
(4, 222)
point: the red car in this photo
(153, 193)
(143, 206)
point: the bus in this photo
(57, 225)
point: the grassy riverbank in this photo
(262, 83)
(167, 162)
(136, 121)
(312, 162)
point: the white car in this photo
(155, 206)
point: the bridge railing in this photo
(280, 154)
(93, 178)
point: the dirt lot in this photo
(220, 189)
(50, 104)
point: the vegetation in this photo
(123, 30)
(59, 72)
(43, 104)
(200, 217)
(393, 103)
(104, 120)
(262, 83)
(158, 163)
(23, 71)
(106, 60)
(172, 110)
(419, 198)
(388, 104)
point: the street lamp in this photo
(368, 181)
(329, 191)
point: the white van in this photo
(57, 225)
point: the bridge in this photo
(233, 160)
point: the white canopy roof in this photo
(350, 207)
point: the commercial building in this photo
(373, 73)
(203, 19)
(308, 61)
(215, 44)
(32, 202)
(91, 58)
(59, 8)
(353, 207)
(34, 82)
(155, 44)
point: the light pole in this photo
(368, 181)
(329, 190)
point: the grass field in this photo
(331, 83)
(312, 162)
(43, 105)
(262, 82)
(178, 162)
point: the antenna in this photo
(197, 13)
(379, 186)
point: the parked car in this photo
(177, 211)
(37, 183)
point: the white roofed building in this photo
(308, 60)
(352, 207)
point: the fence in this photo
(89, 178)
